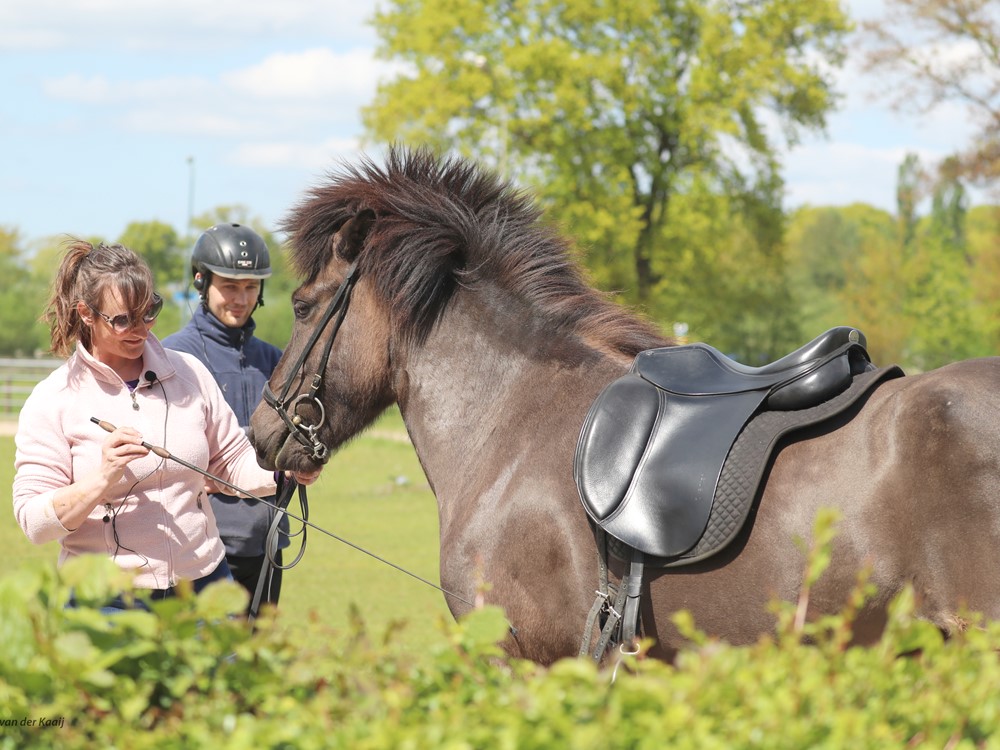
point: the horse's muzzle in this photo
(264, 458)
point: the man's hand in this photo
(303, 478)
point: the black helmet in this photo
(230, 250)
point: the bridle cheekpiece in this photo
(305, 432)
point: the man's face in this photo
(232, 300)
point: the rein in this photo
(306, 433)
(164, 453)
(286, 488)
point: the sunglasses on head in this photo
(124, 322)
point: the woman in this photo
(100, 493)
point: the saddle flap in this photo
(648, 462)
(612, 442)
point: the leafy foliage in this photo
(187, 675)
(922, 288)
(639, 128)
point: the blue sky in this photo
(109, 108)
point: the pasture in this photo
(372, 493)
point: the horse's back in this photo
(915, 477)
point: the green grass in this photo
(372, 493)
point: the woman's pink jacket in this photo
(160, 522)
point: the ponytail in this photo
(84, 274)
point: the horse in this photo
(435, 284)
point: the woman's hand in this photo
(123, 446)
(73, 503)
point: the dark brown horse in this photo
(472, 316)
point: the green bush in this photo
(190, 675)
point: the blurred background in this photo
(743, 172)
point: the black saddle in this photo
(655, 441)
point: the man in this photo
(229, 264)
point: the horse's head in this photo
(378, 289)
(333, 378)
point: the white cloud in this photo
(279, 97)
(313, 157)
(99, 90)
(177, 25)
(309, 74)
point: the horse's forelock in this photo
(442, 222)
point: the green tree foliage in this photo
(159, 245)
(924, 289)
(908, 193)
(639, 126)
(983, 233)
(21, 333)
(845, 267)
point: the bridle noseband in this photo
(304, 432)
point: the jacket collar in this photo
(154, 359)
(217, 331)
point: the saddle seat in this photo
(655, 441)
(796, 381)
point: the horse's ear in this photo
(351, 238)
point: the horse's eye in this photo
(301, 309)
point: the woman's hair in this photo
(85, 273)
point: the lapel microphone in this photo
(150, 376)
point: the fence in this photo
(17, 378)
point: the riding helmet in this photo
(231, 250)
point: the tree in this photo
(942, 302)
(845, 266)
(910, 178)
(944, 51)
(21, 333)
(621, 116)
(158, 244)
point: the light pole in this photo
(190, 222)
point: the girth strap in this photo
(622, 617)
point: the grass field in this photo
(372, 493)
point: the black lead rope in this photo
(286, 489)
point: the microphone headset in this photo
(110, 512)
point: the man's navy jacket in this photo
(241, 364)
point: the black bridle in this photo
(302, 431)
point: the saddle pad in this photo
(744, 468)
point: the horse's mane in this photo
(443, 223)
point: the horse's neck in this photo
(491, 380)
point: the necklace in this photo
(133, 386)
